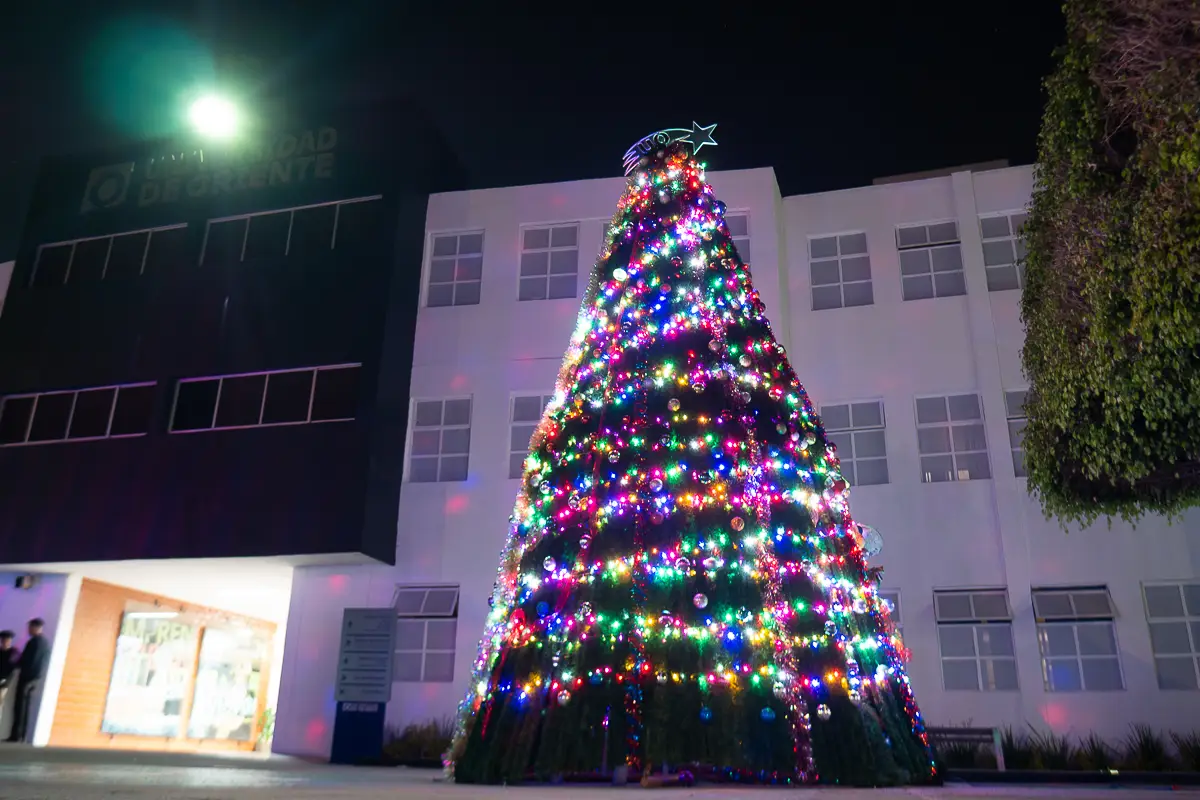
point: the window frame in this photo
(431, 238)
(1018, 265)
(1191, 623)
(512, 402)
(1011, 417)
(262, 406)
(117, 387)
(976, 621)
(837, 259)
(748, 238)
(950, 424)
(852, 430)
(108, 255)
(412, 427)
(291, 212)
(930, 246)
(1074, 620)
(426, 618)
(897, 608)
(549, 250)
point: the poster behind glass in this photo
(156, 653)
(228, 683)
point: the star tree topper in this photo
(697, 137)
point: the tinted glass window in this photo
(52, 265)
(312, 231)
(241, 400)
(135, 405)
(224, 243)
(125, 258)
(87, 266)
(14, 419)
(92, 410)
(168, 250)
(267, 237)
(194, 405)
(288, 395)
(50, 417)
(359, 226)
(336, 394)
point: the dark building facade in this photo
(205, 349)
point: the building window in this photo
(348, 225)
(858, 431)
(426, 630)
(121, 255)
(891, 598)
(1014, 409)
(440, 442)
(455, 270)
(281, 397)
(1003, 251)
(951, 438)
(975, 637)
(524, 417)
(1173, 611)
(931, 262)
(840, 271)
(739, 230)
(549, 262)
(107, 412)
(1078, 640)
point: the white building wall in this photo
(966, 534)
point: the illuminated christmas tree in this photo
(683, 586)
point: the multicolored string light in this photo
(606, 458)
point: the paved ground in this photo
(66, 775)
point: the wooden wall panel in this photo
(90, 653)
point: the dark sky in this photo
(831, 95)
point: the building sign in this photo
(293, 158)
(365, 660)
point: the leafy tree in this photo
(1112, 297)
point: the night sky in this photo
(830, 96)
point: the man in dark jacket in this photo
(35, 659)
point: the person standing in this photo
(35, 658)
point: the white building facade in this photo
(899, 307)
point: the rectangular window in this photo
(840, 271)
(1078, 639)
(281, 397)
(951, 438)
(455, 270)
(524, 416)
(1173, 611)
(426, 630)
(294, 233)
(858, 431)
(549, 262)
(931, 262)
(1014, 408)
(739, 229)
(114, 257)
(440, 440)
(1003, 250)
(891, 598)
(106, 412)
(976, 642)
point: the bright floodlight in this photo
(214, 116)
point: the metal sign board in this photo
(365, 659)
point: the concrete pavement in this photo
(29, 774)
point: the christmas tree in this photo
(683, 587)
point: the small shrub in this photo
(1188, 745)
(1050, 751)
(1146, 750)
(959, 755)
(1017, 752)
(419, 742)
(1094, 753)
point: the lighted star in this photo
(700, 136)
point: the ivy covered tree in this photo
(1112, 297)
(683, 585)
